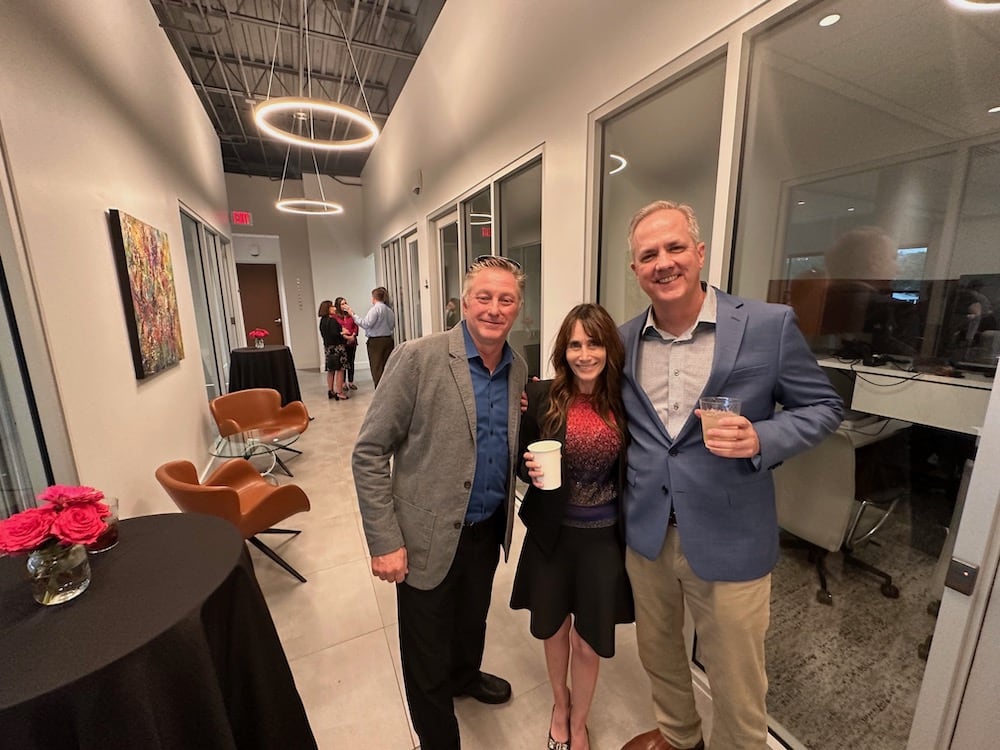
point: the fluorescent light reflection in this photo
(622, 163)
(976, 6)
(829, 20)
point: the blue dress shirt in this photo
(489, 486)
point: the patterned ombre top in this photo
(592, 448)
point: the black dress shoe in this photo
(487, 688)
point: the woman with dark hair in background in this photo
(335, 348)
(350, 329)
(571, 574)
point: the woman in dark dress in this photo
(571, 574)
(335, 347)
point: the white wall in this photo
(322, 257)
(496, 80)
(96, 113)
(343, 265)
(258, 195)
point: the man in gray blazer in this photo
(700, 516)
(434, 471)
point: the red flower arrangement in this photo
(69, 515)
(258, 333)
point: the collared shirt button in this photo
(468, 485)
(458, 524)
(677, 372)
(676, 406)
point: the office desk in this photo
(957, 404)
(270, 367)
(171, 646)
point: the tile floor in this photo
(339, 629)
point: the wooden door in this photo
(260, 300)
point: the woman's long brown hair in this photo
(607, 395)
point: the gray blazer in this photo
(415, 456)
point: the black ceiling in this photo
(240, 52)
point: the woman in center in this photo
(571, 574)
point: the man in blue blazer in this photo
(700, 516)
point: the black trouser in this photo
(352, 352)
(442, 633)
(379, 349)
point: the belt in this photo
(380, 337)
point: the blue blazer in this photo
(725, 507)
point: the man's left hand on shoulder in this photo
(733, 437)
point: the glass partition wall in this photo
(504, 218)
(642, 163)
(862, 192)
(868, 203)
(210, 271)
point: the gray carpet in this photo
(848, 675)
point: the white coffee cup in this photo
(548, 456)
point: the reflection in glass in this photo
(521, 241)
(867, 201)
(670, 141)
(203, 289)
(477, 213)
(451, 273)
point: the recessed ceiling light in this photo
(621, 163)
(800, 203)
(993, 110)
(851, 208)
(829, 20)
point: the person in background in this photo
(334, 348)
(434, 473)
(571, 573)
(700, 517)
(379, 323)
(350, 329)
(451, 314)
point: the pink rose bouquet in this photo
(258, 333)
(68, 515)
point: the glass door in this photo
(210, 270)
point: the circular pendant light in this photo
(309, 207)
(267, 114)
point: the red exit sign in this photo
(242, 218)
(486, 231)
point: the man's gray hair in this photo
(684, 208)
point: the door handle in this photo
(278, 321)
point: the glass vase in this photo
(258, 343)
(58, 572)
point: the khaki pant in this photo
(731, 619)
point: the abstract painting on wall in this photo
(146, 279)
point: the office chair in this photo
(823, 500)
(237, 493)
(259, 409)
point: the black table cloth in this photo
(270, 367)
(171, 646)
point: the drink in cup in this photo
(548, 455)
(715, 408)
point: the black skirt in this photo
(584, 576)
